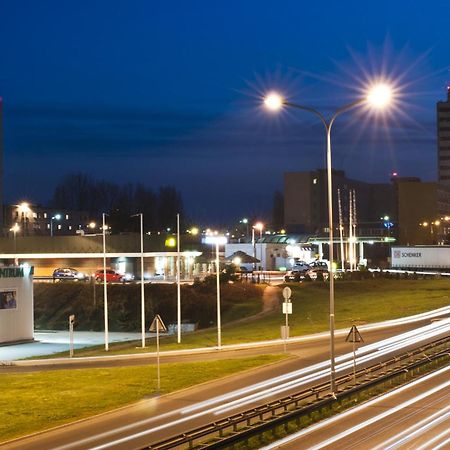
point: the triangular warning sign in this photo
(354, 335)
(158, 325)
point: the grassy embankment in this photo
(365, 301)
(41, 400)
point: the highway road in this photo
(414, 416)
(308, 349)
(158, 418)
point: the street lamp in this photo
(141, 216)
(105, 288)
(15, 229)
(55, 217)
(378, 97)
(217, 240)
(259, 226)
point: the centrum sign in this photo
(15, 272)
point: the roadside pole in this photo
(71, 322)
(354, 336)
(287, 309)
(157, 326)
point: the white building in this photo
(16, 304)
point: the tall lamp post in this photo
(55, 217)
(379, 96)
(105, 288)
(141, 217)
(260, 226)
(217, 240)
(15, 229)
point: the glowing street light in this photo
(55, 217)
(15, 228)
(378, 96)
(274, 101)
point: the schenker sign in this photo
(436, 257)
(400, 254)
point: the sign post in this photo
(71, 322)
(157, 326)
(287, 309)
(353, 337)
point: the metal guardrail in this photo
(255, 421)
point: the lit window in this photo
(314, 180)
(45, 215)
(35, 215)
(69, 227)
(48, 226)
(59, 227)
(67, 216)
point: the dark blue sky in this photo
(166, 92)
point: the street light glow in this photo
(379, 95)
(258, 226)
(273, 101)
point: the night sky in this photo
(169, 92)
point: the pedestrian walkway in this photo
(50, 342)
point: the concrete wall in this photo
(16, 323)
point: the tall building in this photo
(305, 202)
(443, 140)
(1, 164)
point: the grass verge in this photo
(40, 400)
(364, 301)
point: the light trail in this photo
(274, 386)
(418, 428)
(358, 409)
(320, 370)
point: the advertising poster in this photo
(8, 299)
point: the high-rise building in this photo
(443, 140)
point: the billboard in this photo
(8, 299)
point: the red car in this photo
(111, 276)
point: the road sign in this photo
(71, 324)
(354, 335)
(287, 292)
(158, 325)
(287, 307)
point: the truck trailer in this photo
(418, 257)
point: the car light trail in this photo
(419, 429)
(271, 387)
(366, 405)
(319, 371)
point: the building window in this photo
(314, 180)
(59, 227)
(69, 227)
(48, 226)
(45, 215)
(67, 216)
(35, 215)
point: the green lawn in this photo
(40, 400)
(365, 301)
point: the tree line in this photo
(82, 192)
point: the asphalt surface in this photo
(415, 416)
(158, 418)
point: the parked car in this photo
(68, 273)
(297, 272)
(318, 267)
(112, 276)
